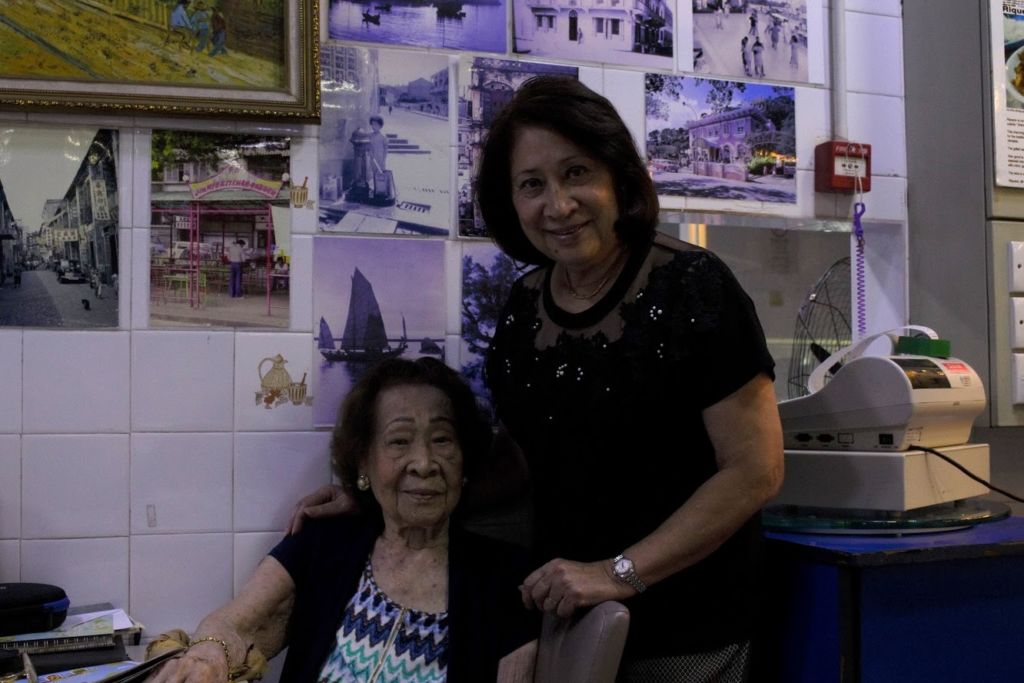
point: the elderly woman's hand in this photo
(329, 500)
(562, 586)
(202, 663)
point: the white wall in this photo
(125, 474)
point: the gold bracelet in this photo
(224, 646)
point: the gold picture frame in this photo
(259, 59)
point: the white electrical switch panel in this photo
(1016, 266)
(1017, 322)
(1017, 370)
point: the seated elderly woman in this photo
(399, 592)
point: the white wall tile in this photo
(58, 119)
(10, 380)
(813, 123)
(122, 290)
(250, 549)
(14, 116)
(305, 167)
(300, 281)
(181, 483)
(625, 90)
(177, 579)
(89, 570)
(75, 381)
(10, 486)
(182, 381)
(139, 289)
(453, 298)
(887, 200)
(254, 359)
(274, 470)
(74, 485)
(881, 122)
(141, 179)
(874, 54)
(10, 561)
(125, 175)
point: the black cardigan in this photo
(486, 620)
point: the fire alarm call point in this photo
(838, 164)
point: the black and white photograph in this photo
(612, 32)
(767, 39)
(721, 139)
(385, 142)
(476, 25)
(219, 252)
(58, 227)
(485, 86)
(372, 299)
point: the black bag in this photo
(31, 608)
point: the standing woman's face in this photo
(564, 198)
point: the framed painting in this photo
(230, 58)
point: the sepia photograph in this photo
(58, 227)
(485, 86)
(372, 299)
(477, 25)
(219, 251)
(385, 142)
(721, 139)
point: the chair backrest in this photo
(585, 648)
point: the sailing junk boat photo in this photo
(364, 338)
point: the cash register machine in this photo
(853, 445)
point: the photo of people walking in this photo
(769, 39)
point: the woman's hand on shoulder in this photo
(329, 500)
(202, 663)
(561, 587)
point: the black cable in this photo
(967, 472)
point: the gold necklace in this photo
(600, 285)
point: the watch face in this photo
(623, 566)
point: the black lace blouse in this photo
(606, 404)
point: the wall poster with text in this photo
(1007, 20)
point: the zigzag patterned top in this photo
(382, 642)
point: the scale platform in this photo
(882, 491)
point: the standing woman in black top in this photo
(632, 371)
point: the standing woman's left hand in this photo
(562, 586)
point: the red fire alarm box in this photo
(838, 164)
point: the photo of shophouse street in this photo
(58, 227)
(219, 245)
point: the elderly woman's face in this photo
(415, 462)
(564, 198)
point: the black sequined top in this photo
(606, 404)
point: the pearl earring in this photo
(363, 482)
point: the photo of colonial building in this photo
(721, 139)
(628, 32)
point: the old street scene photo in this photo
(477, 25)
(721, 139)
(385, 142)
(485, 86)
(58, 227)
(745, 39)
(614, 32)
(373, 299)
(219, 241)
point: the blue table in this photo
(945, 606)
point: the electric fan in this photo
(822, 326)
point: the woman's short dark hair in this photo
(356, 426)
(564, 106)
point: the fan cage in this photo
(822, 325)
